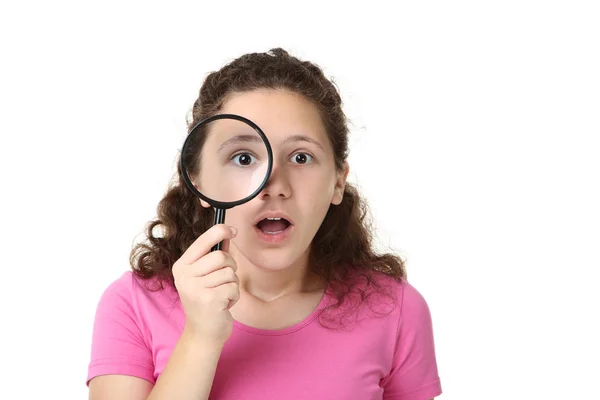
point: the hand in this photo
(208, 285)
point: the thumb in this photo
(225, 245)
(226, 242)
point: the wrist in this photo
(195, 340)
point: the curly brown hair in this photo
(343, 246)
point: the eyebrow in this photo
(303, 138)
(240, 139)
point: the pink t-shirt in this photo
(374, 357)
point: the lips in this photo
(273, 224)
(274, 215)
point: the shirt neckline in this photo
(290, 329)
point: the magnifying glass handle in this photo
(219, 219)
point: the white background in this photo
(475, 137)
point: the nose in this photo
(278, 184)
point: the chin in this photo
(274, 259)
(271, 259)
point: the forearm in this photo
(190, 371)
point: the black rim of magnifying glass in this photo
(219, 205)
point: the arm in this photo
(119, 387)
(189, 374)
(190, 371)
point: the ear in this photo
(340, 185)
(202, 202)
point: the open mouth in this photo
(273, 226)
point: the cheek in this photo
(234, 216)
(325, 187)
(315, 180)
(314, 194)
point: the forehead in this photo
(280, 114)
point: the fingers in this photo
(220, 277)
(208, 264)
(205, 242)
(230, 292)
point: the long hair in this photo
(342, 249)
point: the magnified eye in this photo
(302, 158)
(244, 159)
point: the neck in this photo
(269, 285)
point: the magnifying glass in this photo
(226, 160)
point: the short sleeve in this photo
(414, 373)
(118, 345)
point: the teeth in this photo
(274, 219)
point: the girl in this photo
(309, 313)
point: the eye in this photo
(302, 158)
(244, 159)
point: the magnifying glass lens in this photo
(232, 160)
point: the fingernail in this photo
(233, 230)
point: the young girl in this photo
(311, 312)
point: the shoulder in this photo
(412, 300)
(123, 288)
(128, 291)
(128, 282)
(406, 291)
(410, 304)
(397, 298)
(122, 285)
